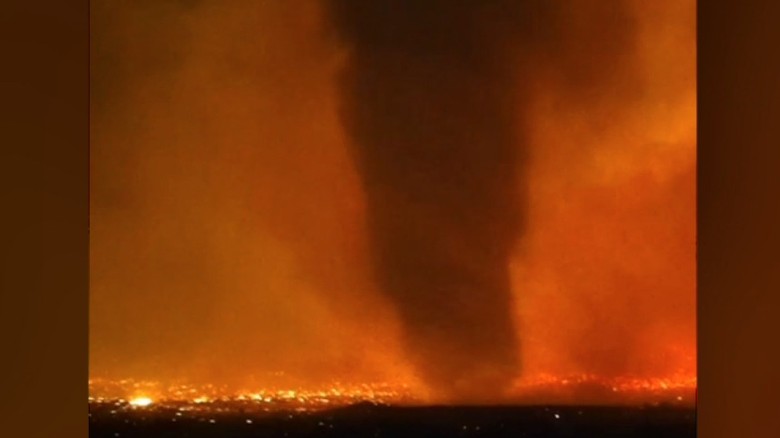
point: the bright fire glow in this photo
(141, 401)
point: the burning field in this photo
(370, 410)
(300, 208)
(571, 390)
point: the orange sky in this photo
(227, 218)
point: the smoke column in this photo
(429, 103)
(434, 97)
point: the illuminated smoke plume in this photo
(432, 95)
(428, 100)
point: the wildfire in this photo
(543, 388)
(192, 397)
(588, 389)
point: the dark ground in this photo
(383, 421)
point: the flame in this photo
(141, 401)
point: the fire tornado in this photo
(317, 203)
(429, 103)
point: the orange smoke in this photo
(226, 223)
(605, 280)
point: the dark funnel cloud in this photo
(429, 100)
(433, 98)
